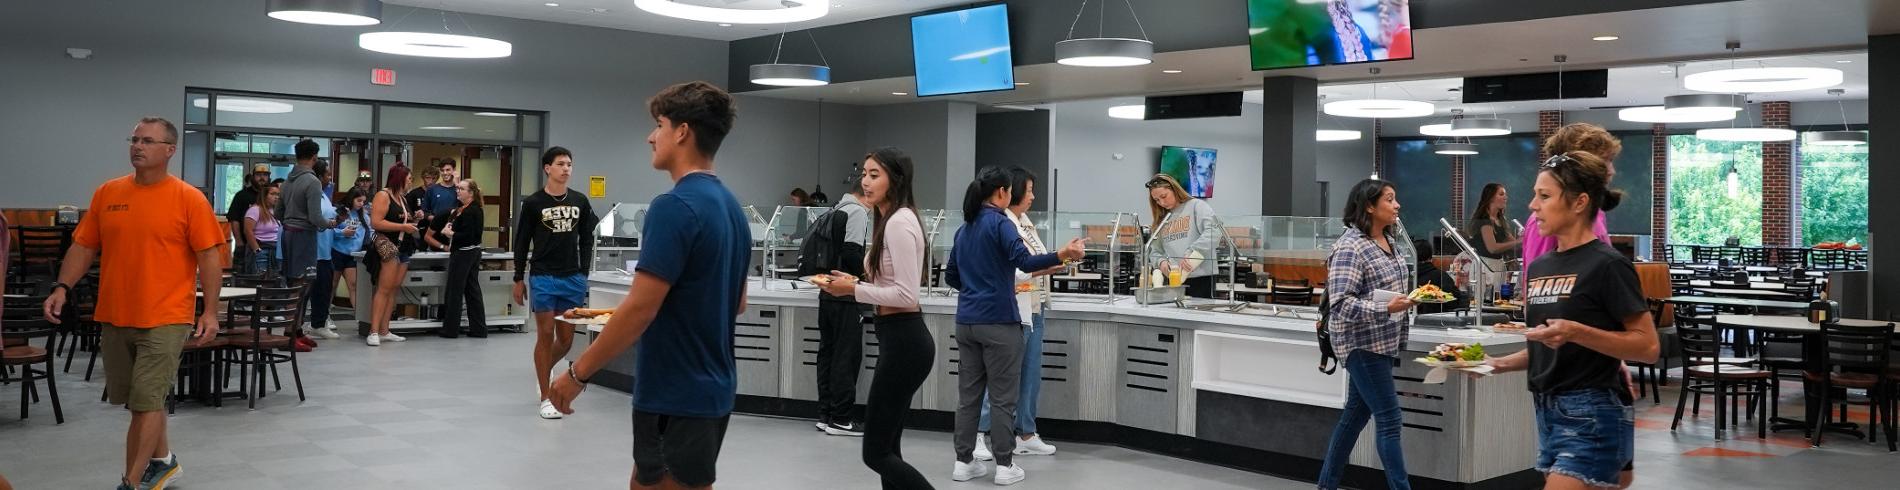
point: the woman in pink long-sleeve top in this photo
(894, 266)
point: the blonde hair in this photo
(1180, 196)
(1584, 137)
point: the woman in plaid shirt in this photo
(1366, 334)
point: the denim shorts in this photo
(1587, 434)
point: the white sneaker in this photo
(983, 448)
(373, 340)
(548, 411)
(969, 471)
(326, 333)
(1034, 447)
(1010, 475)
(393, 337)
(819, 426)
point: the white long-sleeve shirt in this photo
(901, 265)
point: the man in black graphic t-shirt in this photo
(553, 229)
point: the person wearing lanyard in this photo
(1588, 317)
(464, 233)
(1032, 298)
(989, 329)
(1367, 334)
(894, 268)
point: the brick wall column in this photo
(1777, 180)
(1658, 189)
(1547, 124)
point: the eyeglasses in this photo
(1554, 160)
(147, 141)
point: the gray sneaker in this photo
(158, 474)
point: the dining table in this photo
(1799, 324)
(1747, 293)
(1757, 304)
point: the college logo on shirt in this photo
(1174, 228)
(1549, 290)
(118, 207)
(560, 219)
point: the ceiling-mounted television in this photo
(1296, 33)
(1192, 167)
(963, 51)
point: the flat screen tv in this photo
(1192, 167)
(1295, 33)
(963, 51)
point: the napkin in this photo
(1438, 374)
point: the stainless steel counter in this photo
(426, 284)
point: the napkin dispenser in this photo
(1824, 311)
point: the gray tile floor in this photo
(435, 413)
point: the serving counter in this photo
(426, 286)
(1209, 381)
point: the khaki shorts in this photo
(141, 363)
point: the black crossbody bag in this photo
(1328, 362)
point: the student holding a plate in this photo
(1367, 334)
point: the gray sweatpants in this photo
(988, 356)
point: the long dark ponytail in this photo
(898, 170)
(988, 180)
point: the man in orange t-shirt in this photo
(152, 232)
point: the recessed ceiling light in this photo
(725, 25)
(1605, 38)
(552, 4)
(1170, 72)
(900, 93)
(1843, 61)
(1019, 84)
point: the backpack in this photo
(1328, 362)
(825, 248)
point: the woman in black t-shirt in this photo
(1588, 316)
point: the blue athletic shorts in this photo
(556, 293)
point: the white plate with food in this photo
(1430, 294)
(586, 316)
(1455, 355)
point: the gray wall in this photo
(940, 138)
(779, 144)
(1085, 140)
(74, 114)
(1018, 138)
(1344, 163)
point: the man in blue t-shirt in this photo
(687, 293)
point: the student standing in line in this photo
(155, 237)
(1589, 316)
(440, 200)
(841, 326)
(262, 229)
(989, 327)
(554, 228)
(1186, 230)
(1022, 189)
(1367, 335)
(387, 254)
(323, 286)
(462, 236)
(684, 303)
(302, 206)
(352, 225)
(241, 203)
(894, 267)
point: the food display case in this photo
(617, 237)
(780, 236)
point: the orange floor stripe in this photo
(1726, 453)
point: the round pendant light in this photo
(1745, 134)
(1381, 108)
(1760, 80)
(790, 75)
(1484, 126)
(1136, 111)
(1335, 135)
(494, 114)
(1661, 114)
(1706, 107)
(239, 104)
(433, 45)
(1455, 149)
(1435, 130)
(327, 12)
(1105, 52)
(1837, 138)
(793, 12)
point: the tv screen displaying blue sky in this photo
(963, 51)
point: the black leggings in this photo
(905, 354)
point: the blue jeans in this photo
(1370, 395)
(1031, 381)
(1585, 434)
(264, 258)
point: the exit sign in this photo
(382, 76)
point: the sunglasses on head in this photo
(1557, 159)
(1157, 184)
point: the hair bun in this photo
(1608, 199)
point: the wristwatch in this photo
(58, 286)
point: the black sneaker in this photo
(848, 429)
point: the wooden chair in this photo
(1700, 340)
(1650, 377)
(1856, 357)
(25, 326)
(259, 351)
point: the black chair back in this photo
(1857, 348)
(1699, 339)
(278, 308)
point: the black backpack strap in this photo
(1328, 361)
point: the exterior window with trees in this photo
(1833, 193)
(1715, 191)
